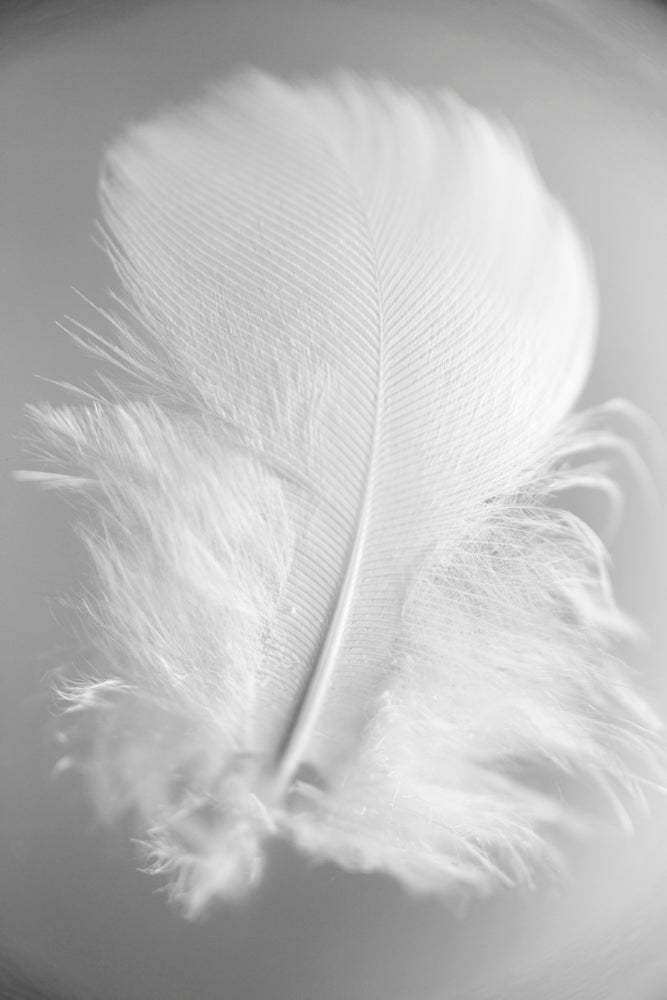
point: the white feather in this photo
(335, 603)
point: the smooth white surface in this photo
(71, 898)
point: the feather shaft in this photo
(294, 746)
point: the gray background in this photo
(589, 91)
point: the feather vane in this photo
(334, 600)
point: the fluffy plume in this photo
(335, 602)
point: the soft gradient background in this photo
(586, 83)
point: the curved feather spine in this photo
(292, 748)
